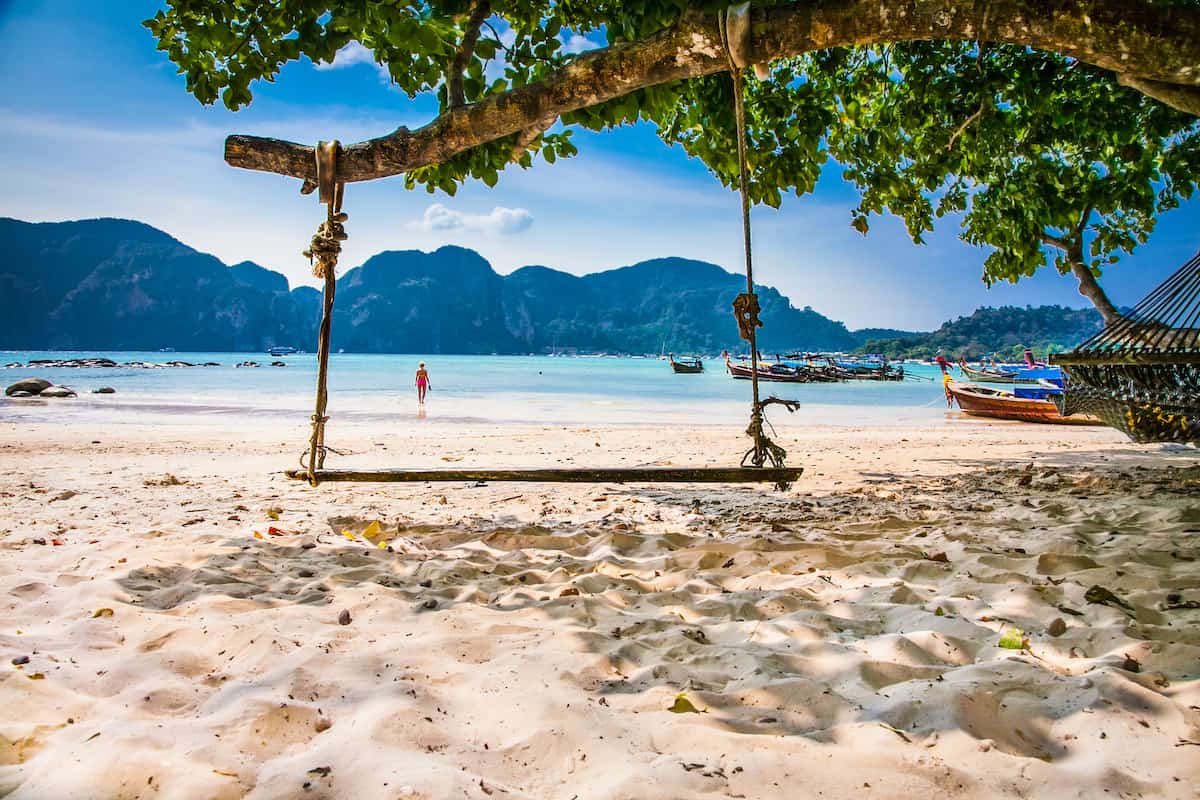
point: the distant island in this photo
(111, 284)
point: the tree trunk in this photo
(1152, 42)
(1090, 288)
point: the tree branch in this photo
(1180, 98)
(454, 79)
(1161, 43)
(1088, 285)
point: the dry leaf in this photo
(372, 531)
(273, 513)
(683, 705)
(102, 612)
(349, 535)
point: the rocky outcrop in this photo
(28, 386)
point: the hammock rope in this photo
(1141, 374)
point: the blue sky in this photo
(97, 123)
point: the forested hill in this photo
(111, 284)
(1002, 332)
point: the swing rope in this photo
(323, 255)
(327, 245)
(745, 305)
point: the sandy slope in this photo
(526, 641)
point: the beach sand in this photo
(841, 639)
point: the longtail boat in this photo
(1025, 405)
(780, 373)
(685, 366)
(1010, 373)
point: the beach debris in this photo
(36, 676)
(273, 513)
(320, 772)
(1130, 664)
(896, 731)
(67, 495)
(1057, 628)
(322, 724)
(941, 558)
(683, 705)
(939, 612)
(102, 612)
(20, 661)
(1175, 601)
(1013, 639)
(224, 773)
(372, 531)
(1069, 610)
(570, 591)
(429, 605)
(1101, 596)
(344, 617)
(165, 480)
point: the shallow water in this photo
(533, 389)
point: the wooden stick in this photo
(571, 475)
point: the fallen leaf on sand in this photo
(372, 530)
(273, 513)
(1013, 639)
(102, 612)
(36, 676)
(1101, 596)
(258, 535)
(683, 705)
(226, 774)
(349, 535)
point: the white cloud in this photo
(351, 55)
(500, 220)
(576, 43)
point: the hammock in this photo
(1141, 374)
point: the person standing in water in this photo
(423, 385)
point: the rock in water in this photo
(58, 391)
(31, 385)
(104, 390)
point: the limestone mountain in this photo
(110, 284)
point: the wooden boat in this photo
(1009, 374)
(984, 401)
(781, 373)
(685, 366)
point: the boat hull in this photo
(980, 401)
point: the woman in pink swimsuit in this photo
(422, 383)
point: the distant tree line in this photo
(1002, 332)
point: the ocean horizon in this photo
(479, 388)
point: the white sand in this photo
(526, 641)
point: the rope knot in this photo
(745, 308)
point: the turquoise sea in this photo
(526, 389)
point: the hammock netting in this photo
(1141, 374)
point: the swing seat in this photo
(776, 475)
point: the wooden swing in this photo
(762, 463)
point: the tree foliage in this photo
(1041, 158)
(1029, 149)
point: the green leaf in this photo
(1013, 639)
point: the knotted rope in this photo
(734, 26)
(323, 255)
